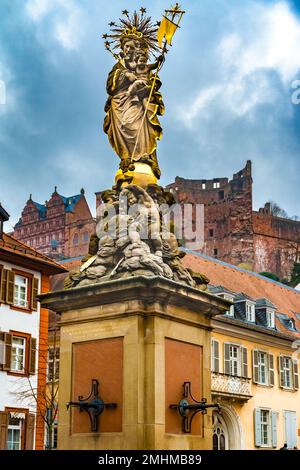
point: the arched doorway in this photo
(220, 433)
(227, 429)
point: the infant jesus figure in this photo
(142, 73)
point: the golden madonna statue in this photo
(135, 102)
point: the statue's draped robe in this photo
(124, 116)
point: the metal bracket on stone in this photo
(93, 405)
(188, 410)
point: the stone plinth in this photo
(141, 338)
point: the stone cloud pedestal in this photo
(141, 339)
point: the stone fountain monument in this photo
(135, 323)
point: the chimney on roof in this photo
(4, 216)
(82, 191)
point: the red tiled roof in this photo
(286, 299)
(11, 245)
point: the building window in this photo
(53, 364)
(216, 185)
(265, 427)
(230, 312)
(215, 252)
(211, 232)
(14, 432)
(229, 297)
(263, 368)
(215, 357)
(18, 353)
(250, 312)
(203, 185)
(76, 239)
(286, 372)
(235, 360)
(290, 324)
(221, 195)
(21, 291)
(51, 434)
(18, 350)
(270, 318)
(86, 237)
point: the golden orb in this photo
(141, 176)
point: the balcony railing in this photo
(230, 386)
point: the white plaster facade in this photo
(12, 386)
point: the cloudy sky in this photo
(227, 87)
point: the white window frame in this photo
(265, 365)
(216, 185)
(269, 427)
(14, 427)
(250, 311)
(288, 372)
(235, 360)
(203, 185)
(21, 291)
(226, 296)
(16, 354)
(270, 318)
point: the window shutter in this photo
(3, 430)
(215, 356)
(274, 428)
(10, 287)
(34, 293)
(257, 426)
(32, 356)
(29, 431)
(296, 375)
(1, 272)
(8, 341)
(281, 373)
(2, 349)
(227, 358)
(4, 275)
(271, 370)
(255, 365)
(244, 355)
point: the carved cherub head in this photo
(110, 196)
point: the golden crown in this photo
(133, 32)
(137, 25)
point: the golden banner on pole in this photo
(166, 30)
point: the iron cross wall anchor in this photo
(187, 411)
(93, 405)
